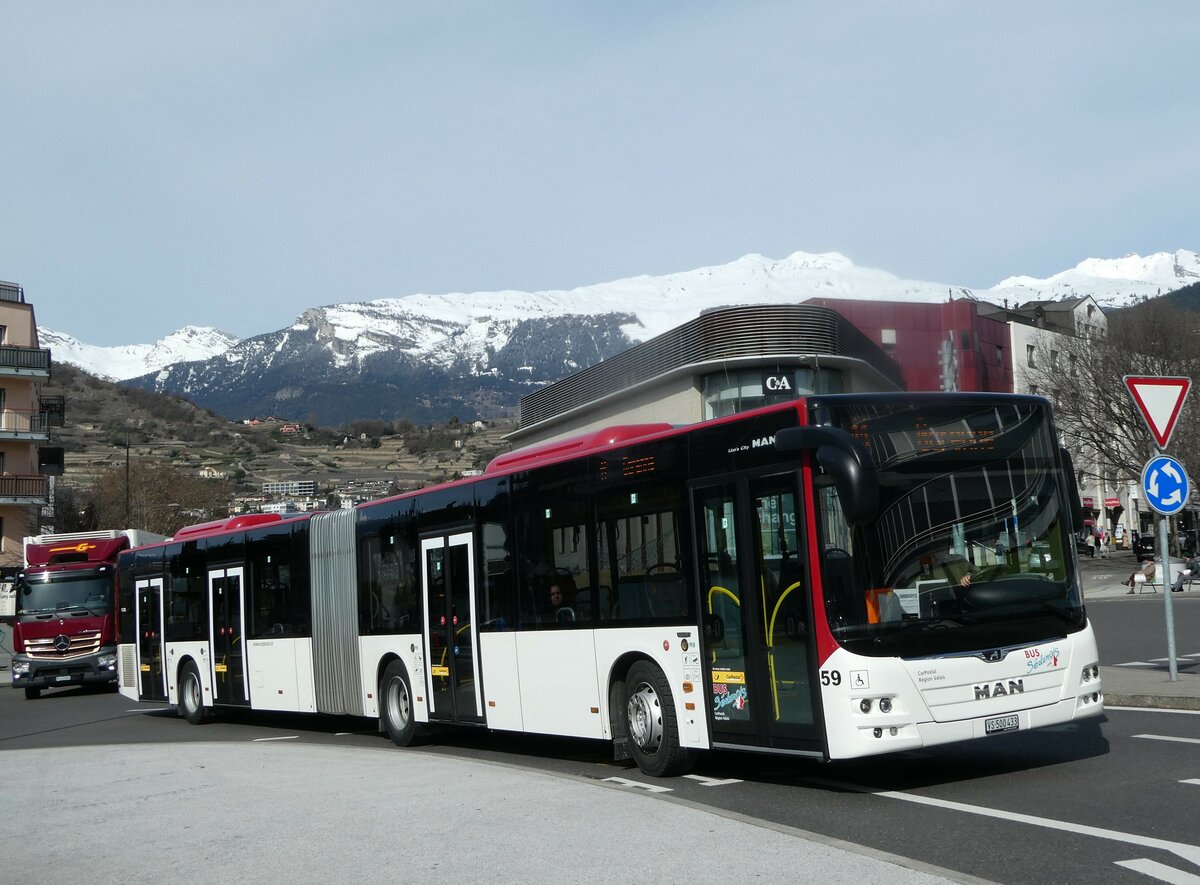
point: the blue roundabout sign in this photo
(1165, 485)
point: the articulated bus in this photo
(832, 577)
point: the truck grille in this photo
(63, 647)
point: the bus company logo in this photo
(81, 547)
(999, 689)
(62, 642)
(1036, 659)
(761, 443)
(992, 655)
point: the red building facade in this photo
(923, 338)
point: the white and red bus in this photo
(833, 577)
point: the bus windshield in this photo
(63, 592)
(972, 546)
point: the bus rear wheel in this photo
(191, 695)
(651, 723)
(396, 706)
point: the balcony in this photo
(19, 490)
(25, 425)
(12, 292)
(25, 362)
(56, 408)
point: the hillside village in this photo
(268, 463)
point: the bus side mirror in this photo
(1072, 491)
(846, 460)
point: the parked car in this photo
(1143, 549)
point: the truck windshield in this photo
(63, 592)
(972, 547)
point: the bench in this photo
(1153, 582)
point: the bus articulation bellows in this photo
(833, 577)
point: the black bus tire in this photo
(396, 712)
(32, 694)
(651, 723)
(191, 695)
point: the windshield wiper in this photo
(893, 636)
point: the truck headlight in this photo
(107, 662)
(20, 668)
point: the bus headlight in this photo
(107, 662)
(20, 668)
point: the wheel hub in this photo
(645, 719)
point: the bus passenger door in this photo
(757, 614)
(152, 677)
(228, 636)
(451, 658)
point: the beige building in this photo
(26, 458)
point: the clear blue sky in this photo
(233, 163)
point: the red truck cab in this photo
(64, 626)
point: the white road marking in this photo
(625, 782)
(1135, 664)
(1160, 871)
(1192, 780)
(290, 737)
(1190, 853)
(712, 781)
(1167, 737)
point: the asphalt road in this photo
(1077, 803)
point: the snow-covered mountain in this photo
(131, 360)
(429, 356)
(1113, 282)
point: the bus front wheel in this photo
(651, 723)
(32, 694)
(396, 706)
(191, 695)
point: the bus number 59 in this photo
(831, 677)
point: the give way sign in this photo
(1159, 398)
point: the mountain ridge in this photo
(428, 357)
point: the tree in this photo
(155, 496)
(1093, 410)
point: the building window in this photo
(887, 337)
(999, 355)
(727, 393)
(1033, 389)
(1054, 360)
(1029, 356)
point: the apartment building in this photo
(27, 460)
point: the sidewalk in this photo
(279, 812)
(1103, 578)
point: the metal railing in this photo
(12, 292)
(25, 421)
(25, 487)
(25, 358)
(55, 408)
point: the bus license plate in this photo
(62, 678)
(997, 724)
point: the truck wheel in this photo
(651, 723)
(396, 706)
(191, 695)
(32, 694)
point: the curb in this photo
(1162, 702)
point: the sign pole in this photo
(1172, 668)
(1165, 483)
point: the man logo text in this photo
(999, 689)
